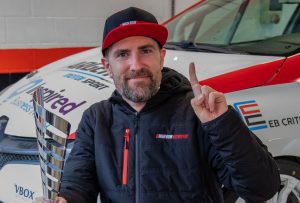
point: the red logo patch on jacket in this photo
(171, 137)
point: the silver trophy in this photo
(52, 132)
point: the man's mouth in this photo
(139, 78)
(138, 75)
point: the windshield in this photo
(266, 27)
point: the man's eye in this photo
(147, 51)
(122, 54)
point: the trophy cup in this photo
(52, 132)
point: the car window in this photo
(217, 25)
(236, 25)
(259, 22)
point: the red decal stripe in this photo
(245, 112)
(257, 75)
(289, 72)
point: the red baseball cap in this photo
(132, 22)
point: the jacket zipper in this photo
(125, 156)
(137, 162)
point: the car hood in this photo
(210, 65)
(72, 84)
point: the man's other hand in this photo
(208, 104)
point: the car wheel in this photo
(290, 185)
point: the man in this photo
(159, 138)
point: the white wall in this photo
(67, 23)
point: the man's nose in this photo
(136, 63)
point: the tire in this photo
(290, 168)
(286, 167)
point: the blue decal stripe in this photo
(258, 127)
(245, 102)
(75, 71)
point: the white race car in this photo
(249, 49)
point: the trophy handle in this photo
(52, 132)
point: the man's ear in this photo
(105, 64)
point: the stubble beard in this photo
(142, 91)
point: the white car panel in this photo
(95, 86)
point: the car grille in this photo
(9, 157)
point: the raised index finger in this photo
(194, 80)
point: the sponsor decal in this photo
(32, 85)
(288, 121)
(24, 192)
(172, 137)
(74, 77)
(86, 72)
(250, 113)
(24, 106)
(56, 99)
(92, 69)
(93, 83)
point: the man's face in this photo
(135, 64)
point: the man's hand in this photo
(60, 200)
(57, 200)
(208, 104)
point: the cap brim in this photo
(152, 30)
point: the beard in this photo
(142, 91)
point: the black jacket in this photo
(166, 155)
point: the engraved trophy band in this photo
(52, 132)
